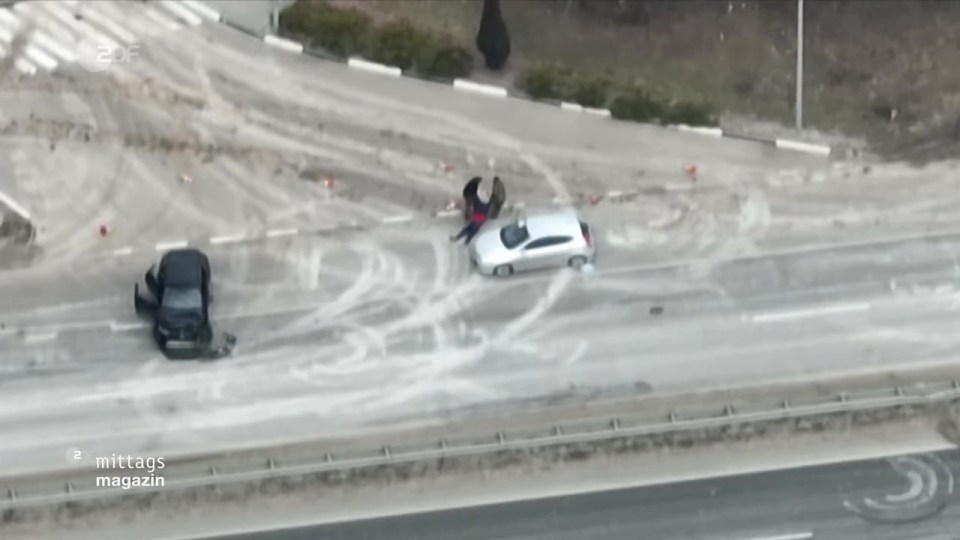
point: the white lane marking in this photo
(397, 219)
(281, 232)
(614, 194)
(784, 315)
(92, 13)
(123, 327)
(25, 66)
(567, 106)
(789, 536)
(123, 251)
(162, 19)
(51, 45)
(203, 10)
(163, 246)
(83, 28)
(228, 239)
(448, 213)
(12, 204)
(10, 19)
(181, 12)
(40, 338)
(35, 54)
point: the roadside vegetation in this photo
(345, 31)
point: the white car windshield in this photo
(182, 299)
(513, 235)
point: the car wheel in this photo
(503, 270)
(577, 262)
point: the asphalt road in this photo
(905, 497)
(354, 330)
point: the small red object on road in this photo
(104, 230)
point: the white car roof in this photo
(562, 221)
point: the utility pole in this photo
(799, 105)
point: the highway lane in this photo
(395, 327)
(898, 498)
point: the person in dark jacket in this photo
(470, 196)
(477, 219)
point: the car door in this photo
(546, 252)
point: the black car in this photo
(180, 287)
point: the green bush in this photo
(559, 82)
(546, 81)
(445, 59)
(399, 43)
(342, 31)
(692, 113)
(589, 91)
(636, 104)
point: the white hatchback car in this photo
(546, 239)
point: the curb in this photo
(785, 144)
(465, 85)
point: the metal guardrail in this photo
(269, 468)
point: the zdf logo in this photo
(97, 53)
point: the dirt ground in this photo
(885, 69)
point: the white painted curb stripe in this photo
(576, 107)
(803, 147)
(490, 90)
(163, 246)
(284, 44)
(397, 219)
(17, 209)
(182, 12)
(203, 10)
(373, 67)
(123, 251)
(598, 112)
(713, 132)
(281, 232)
(228, 239)
(448, 213)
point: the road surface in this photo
(210, 137)
(900, 498)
